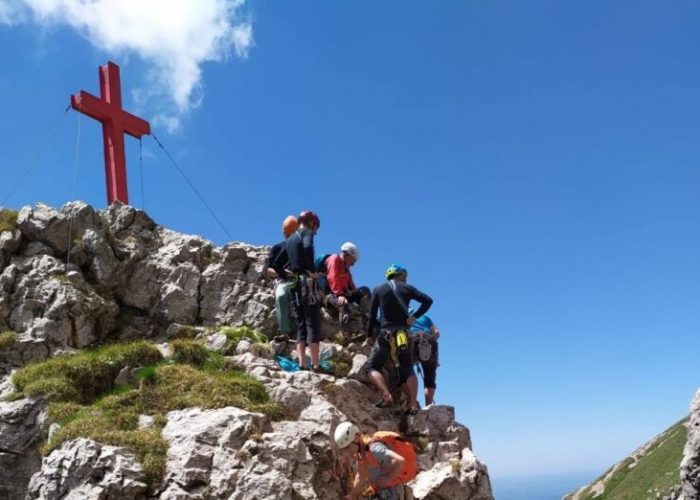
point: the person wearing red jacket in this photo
(342, 288)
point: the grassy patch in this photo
(83, 399)
(238, 333)
(342, 363)
(655, 472)
(189, 351)
(82, 377)
(7, 340)
(8, 219)
(188, 332)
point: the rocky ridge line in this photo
(129, 278)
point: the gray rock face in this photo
(205, 450)
(690, 465)
(464, 477)
(85, 470)
(126, 278)
(46, 225)
(20, 433)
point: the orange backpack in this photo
(399, 445)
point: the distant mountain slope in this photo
(651, 472)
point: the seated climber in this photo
(385, 461)
(276, 268)
(392, 299)
(424, 336)
(343, 291)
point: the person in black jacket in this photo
(305, 298)
(276, 268)
(392, 299)
(277, 260)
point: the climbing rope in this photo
(182, 173)
(37, 156)
(75, 186)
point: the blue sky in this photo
(533, 164)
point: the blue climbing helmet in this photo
(395, 269)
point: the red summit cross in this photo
(115, 123)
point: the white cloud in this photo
(176, 37)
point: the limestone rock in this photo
(84, 469)
(48, 310)
(204, 445)
(216, 342)
(20, 433)
(46, 225)
(460, 478)
(690, 464)
(10, 241)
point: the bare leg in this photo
(429, 396)
(378, 380)
(314, 354)
(411, 389)
(301, 353)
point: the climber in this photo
(305, 300)
(392, 299)
(343, 291)
(275, 268)
(277, 260)
(424, 336)
(385, 461)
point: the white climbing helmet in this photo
(351, 249)
(345, 434)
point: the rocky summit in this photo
(135, 363)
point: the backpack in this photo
(400, 445)
(320, 263)
(320, 267)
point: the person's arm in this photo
(280, 262)
(425, 301)
(361, 483)
(392, 463)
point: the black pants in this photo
(429, 367)
(354, 297)
(307, 318)
(381, 352)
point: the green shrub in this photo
(84, 376)
(8, 219)
(190, 352)
(7, 339)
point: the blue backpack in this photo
(320, 267)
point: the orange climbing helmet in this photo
(289, 225)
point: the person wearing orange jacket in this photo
(384, 460)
